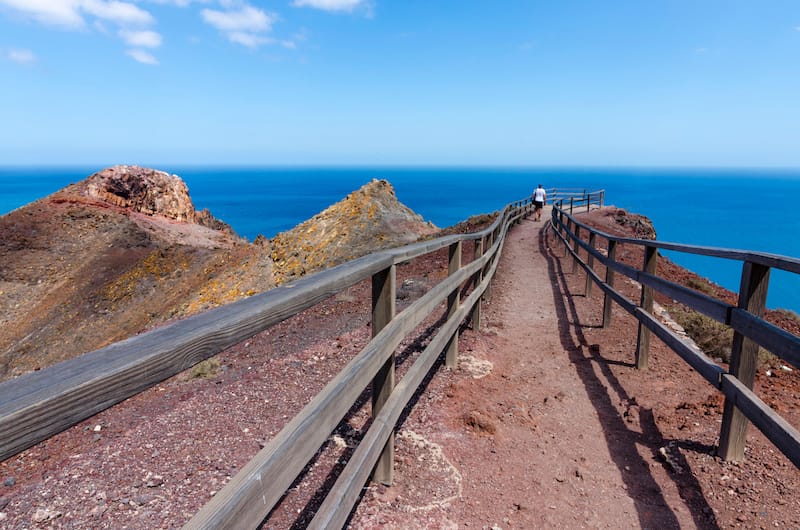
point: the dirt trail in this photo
(536, 443)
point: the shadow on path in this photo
(643, 488)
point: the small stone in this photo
(97, 428)
(141, 500)
(154, 481)
(9, 482)
(4, 502)
(45, 514)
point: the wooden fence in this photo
(40, 404)
(746, 319)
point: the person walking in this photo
(539, 200)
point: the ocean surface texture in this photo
(743, 209)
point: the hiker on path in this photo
(539, 200)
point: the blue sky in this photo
(380, 82)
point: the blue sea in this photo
(745, 209)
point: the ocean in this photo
(744, 208)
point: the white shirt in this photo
(539, 195)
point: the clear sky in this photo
(401, 82)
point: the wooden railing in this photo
(746, 320)
(40, 404)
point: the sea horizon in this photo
(686, 204)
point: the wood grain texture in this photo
(384, 287)
(646, 304)
(785, 437)
(336, 507)
(777, 340)
(40, 404)
(453, 302)
(751, 330)
(254, 491)
(744, 360)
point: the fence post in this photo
(744, 359)
(643, 340)
(453, 301)
(476, 310)
(607, 300)
(576, 248)
(487, 294)
(587, 292)
(567, 231)
(571, 202)
(383, 311)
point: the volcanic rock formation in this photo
(368, 219)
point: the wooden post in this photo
(568, 229)
(576, 248)
(643, 341)
(453, 301)
(487, 294)
(587, 292)
(744, 360)
(383, 311)
(476, 311)
(607, 300)
(571, 202)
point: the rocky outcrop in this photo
(368, 219)
(125, 250)
(640, 226)
(144, 190)
(113, 255)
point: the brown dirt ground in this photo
(564, 432)
(545, 424)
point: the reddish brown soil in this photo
(545, 424)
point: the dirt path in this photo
(529, 445)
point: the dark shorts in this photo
(538, 204)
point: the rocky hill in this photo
(125, 250)
(366, 220)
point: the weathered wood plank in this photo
(744, 360)
(254, 491)
(336, 507)
(587, 289)
(699, 361)
(766, 259)
(703, 303)
(453, 302)
(646, 303)
(779, 341)
(383, 311)
(607, 299)
(785, 437)
(40, 404)
(476, 312)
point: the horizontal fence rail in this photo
(39, 404)
(746, 319)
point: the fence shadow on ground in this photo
(642, 487)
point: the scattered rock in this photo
(153, 481)
(45, 514)
(9, 482)
(480, 422)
